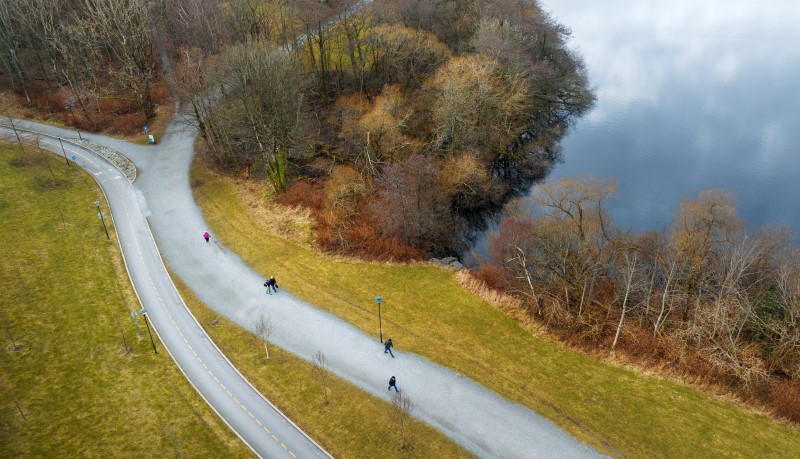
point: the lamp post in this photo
(379, 299)
(63, 151)
(144, 314)
(100, 214)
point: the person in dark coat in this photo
(273, 284)
(388, 347)
(266, 287)
(392, 383)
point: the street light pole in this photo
(378, 300)
(63, 151)
(100, 214)
(144, 314)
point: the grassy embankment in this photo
(353, 424)
(426, 311)
(64, 290)
(65, 302)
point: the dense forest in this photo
(401, 124)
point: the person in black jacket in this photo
(273, 284)
(392, 383)
(388, 347)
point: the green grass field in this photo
(68, 388)
(426, 311)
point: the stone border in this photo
(117, 159)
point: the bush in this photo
(494, 276)
(303, 193)
(159, 92)
(785, 397)
(128, 124)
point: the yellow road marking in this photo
(259, 423)
(276, 438)
(290, 452)
(267, 430)
(284, 446)
(237, 401)
(251, 414)
(215, 378)
(229, 393)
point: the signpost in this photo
(135, 315)
(379, 299)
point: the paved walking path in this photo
(484, 423)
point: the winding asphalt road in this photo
(484, 423)
(262, 427)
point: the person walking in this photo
(392, 383)
(266, 286)
(273, 284)
(206, 236)
(388, 347)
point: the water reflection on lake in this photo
(690, 95)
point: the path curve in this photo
(479, 420)
(251, 416)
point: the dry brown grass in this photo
(291, 222)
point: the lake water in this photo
(691, 94)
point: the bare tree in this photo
(404, 408)
(322, 370)
(264, 329)
(630, 273)
(410, 207)
(478, 103)
(124, 29)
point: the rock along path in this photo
(479, 420)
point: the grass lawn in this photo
(426, 311)
(67, 386)
(353, 424)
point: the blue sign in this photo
(378, 299)
(74, 157)
(146, 128)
